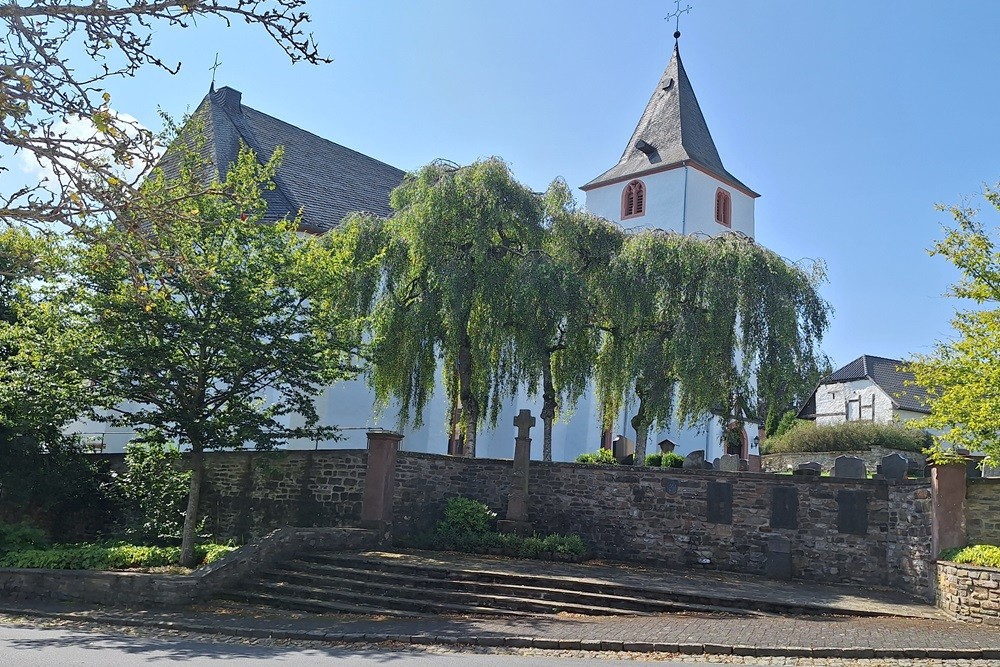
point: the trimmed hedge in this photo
(983, 555)
(118, 556)
(847, 437)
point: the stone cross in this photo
(517, 499)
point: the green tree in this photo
(212, 327)
(446, 265)
(961, 376)
(59, 55)
(692, 319)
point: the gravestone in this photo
(720, 502)
(715, 464)
(623, 449)
(851, 467)
(744, 465)
(695, 460)
(894, 466)
(728, 463)
(810, 469)
(517, 499)
(852, 512)
(785, 507)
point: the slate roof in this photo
(674, 125)
(883, 372)
(324, 180)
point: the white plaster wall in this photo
(831, 402)
(700, 217)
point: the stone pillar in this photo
(380, 480)
(517, 499)
(948, 498)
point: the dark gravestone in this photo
(852, 512)
(720, 502)
(812, 465)
(851, 467)
(744, 465)
(894, 466)
(785, 507)
(695, 460)
(779, 557)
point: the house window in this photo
(723, 208)
(633, 200)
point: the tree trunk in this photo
(548, 409)
(470, 406)
(191, 515)
(641, 425)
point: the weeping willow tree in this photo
(552, 321)
(438, 284)
(691, 320)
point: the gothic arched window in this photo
(723, 208)
(633, 200)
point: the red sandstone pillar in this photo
(380, 479)
(948, 497)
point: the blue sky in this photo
(851, 118)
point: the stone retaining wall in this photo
(126, 589)
(982, 510)
(969, 593)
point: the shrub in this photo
(155, 491)
(464, 516)
(848, 437)
(601, 457)
(983, 555)
(654, 460)
(117, 556)
(21, 536)
(672, 460)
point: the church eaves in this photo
(323, 180)
(671, 133)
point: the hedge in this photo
(847, 437)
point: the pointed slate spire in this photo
(671, 131)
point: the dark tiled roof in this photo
(324, 180)
(886, 374)
(674, 125)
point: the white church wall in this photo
(664, 201)
(700, 216)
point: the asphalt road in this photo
(27, 647)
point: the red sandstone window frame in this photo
(723, 208)
(634, 200)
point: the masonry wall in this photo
(969, 593)
(872, 458)
(982, 510)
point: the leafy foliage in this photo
(21, 536)
(982, 555)
(961, 375)
(941, 456)
(117, 556)
(601, 457)
(154, 489)
(464, 516)
(854, 436)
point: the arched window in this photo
(633, 200)
(723, 208)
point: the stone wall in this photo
(862, 531)
(969, 593)
(872, 458)
(982, 511)
(126, 589)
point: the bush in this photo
(21, 536)
(983, 555)
(672, 460)
(848, 437)
(155, 491)
(601, 457)
(464, 516)
(117, 556)
(654, 460)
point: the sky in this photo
(852, 118)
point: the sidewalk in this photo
(812, 636)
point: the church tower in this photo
(670, 176)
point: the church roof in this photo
(324, 180)
(883, 372)
(671, 133)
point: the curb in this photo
(524, 642)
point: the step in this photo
(319, 606)
(332, 575)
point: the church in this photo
(669, 176)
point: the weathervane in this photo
(215, 67)
(676, 14)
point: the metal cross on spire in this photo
(676, 15)
(215, 67)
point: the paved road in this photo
(27, 647)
